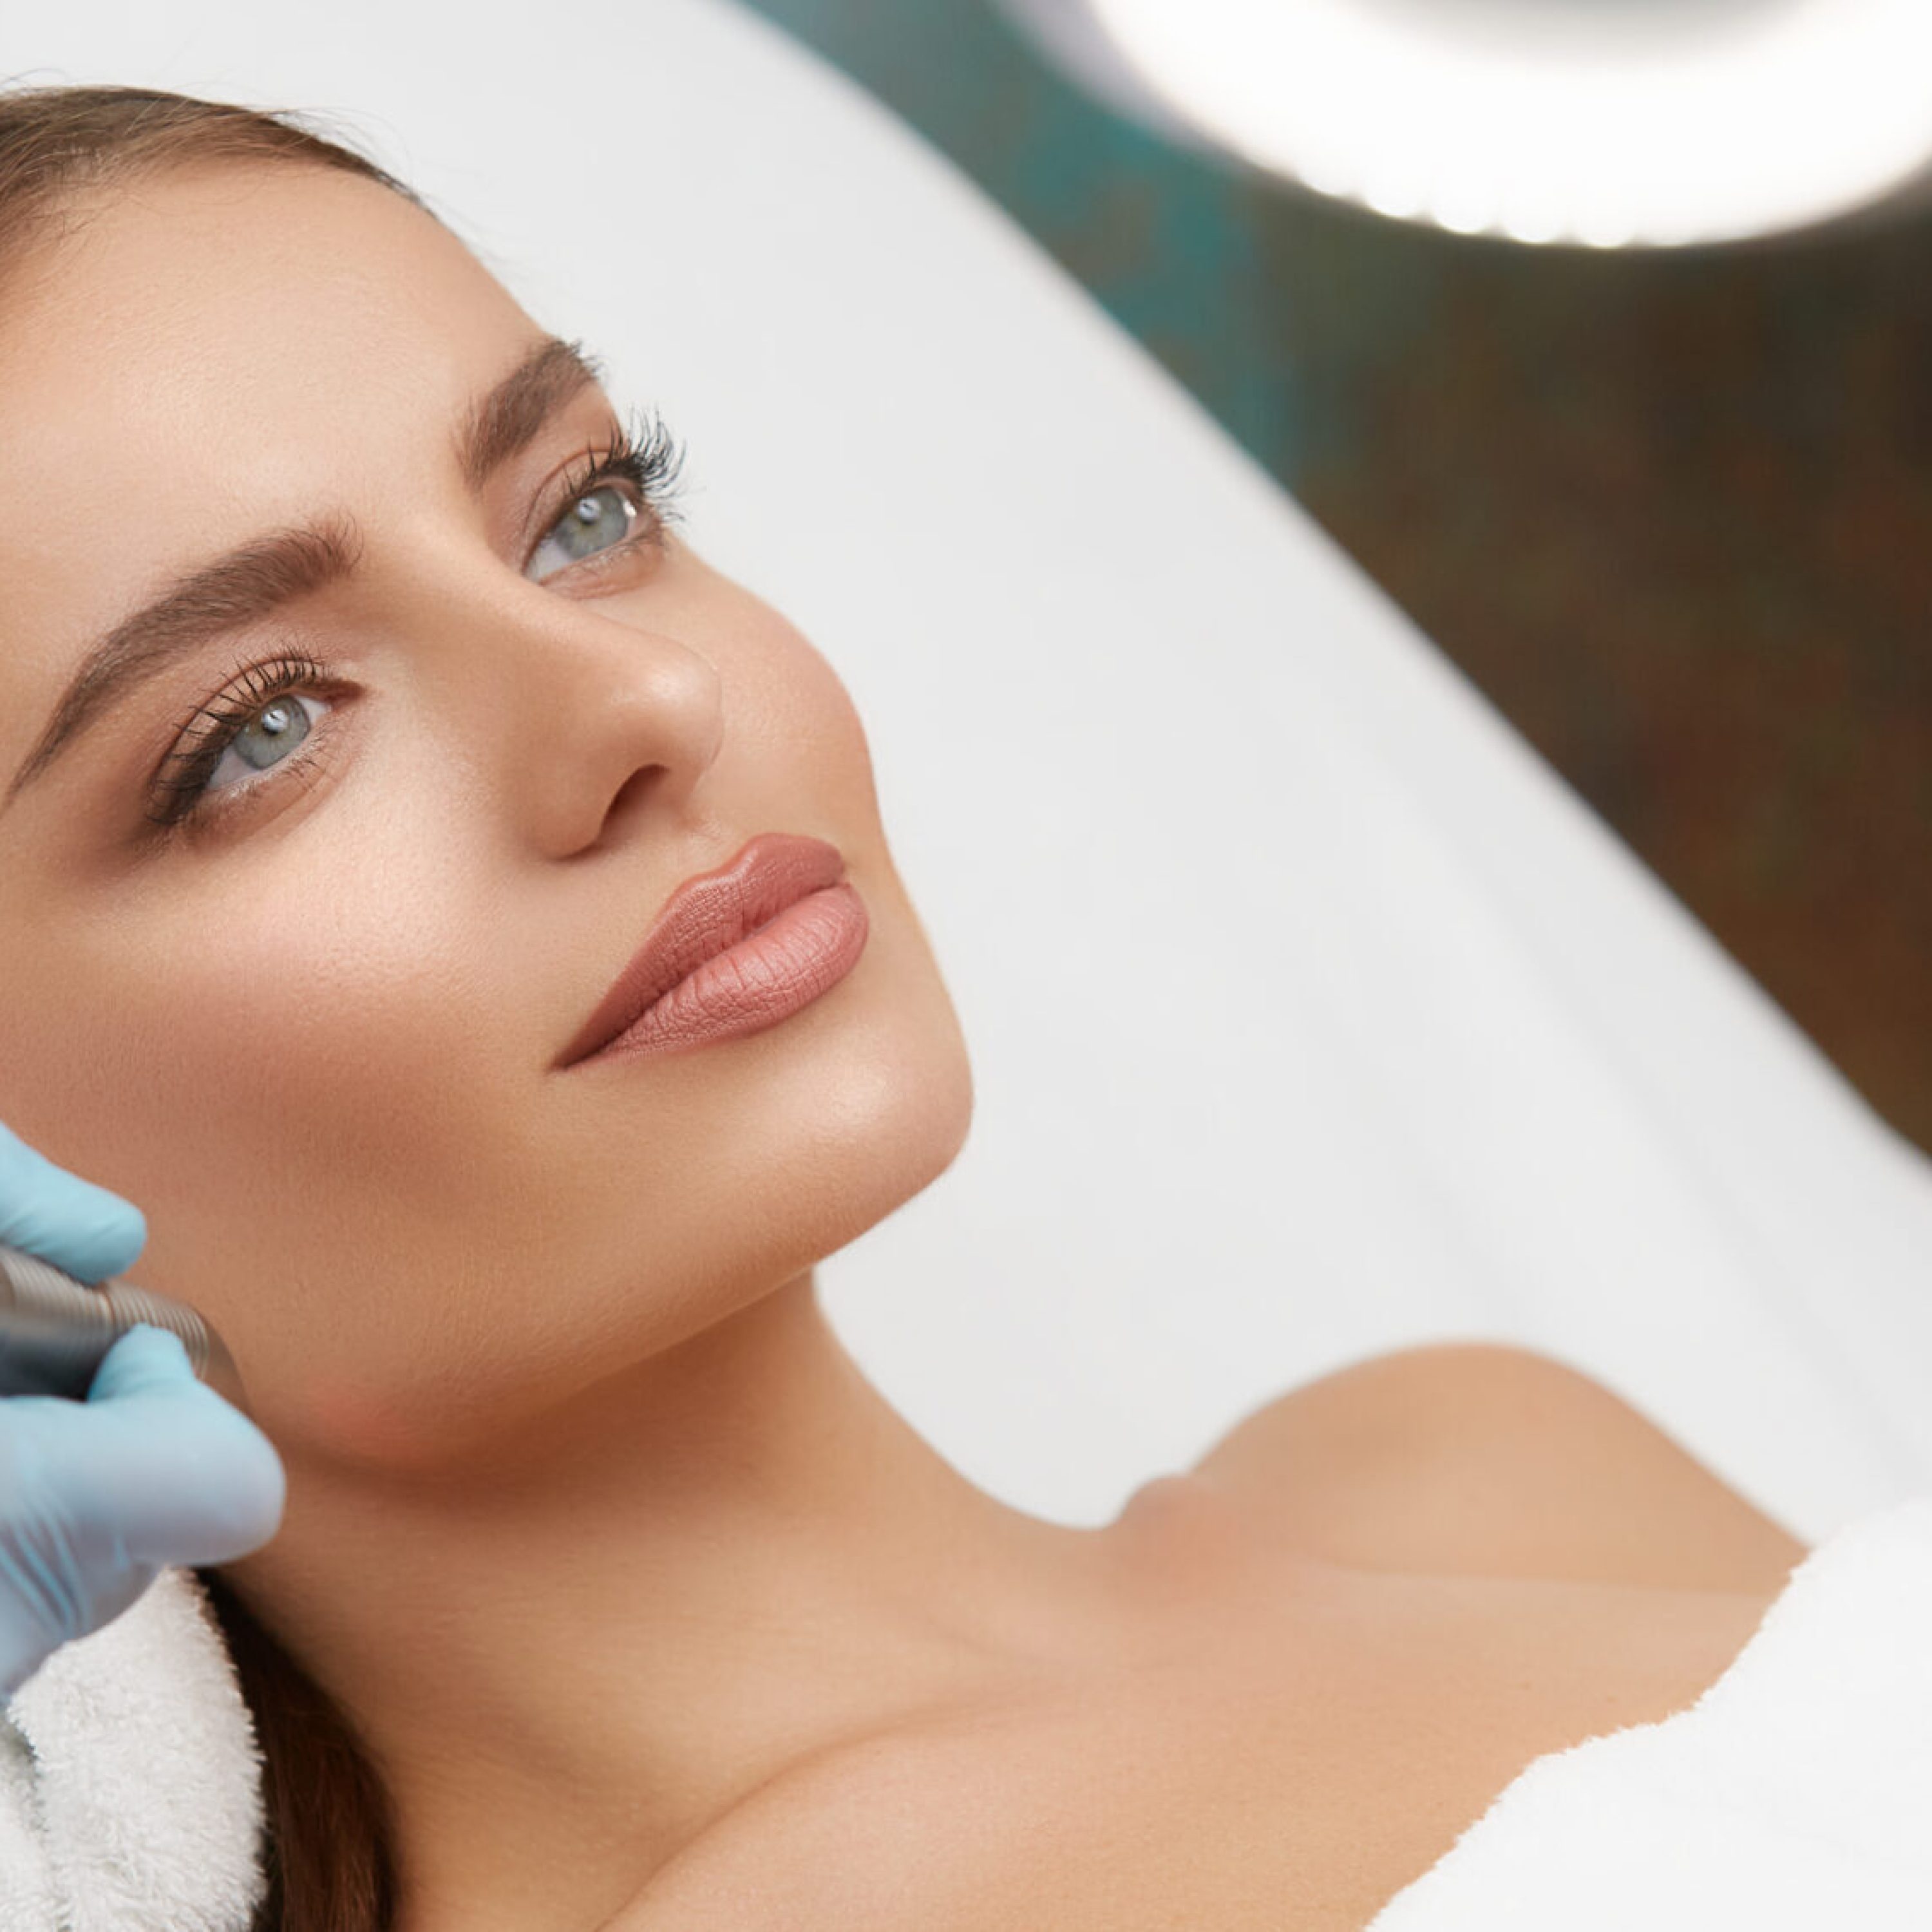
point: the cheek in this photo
(299, 1071)
(260, 1040)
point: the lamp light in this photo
(1596, 123)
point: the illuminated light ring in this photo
(1604, 128)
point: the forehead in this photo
(210, 352)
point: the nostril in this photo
(631, 789)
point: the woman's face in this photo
(309, 1028)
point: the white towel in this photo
(1796, 1793)
(130, 1784)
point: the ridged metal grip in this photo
(54, 1330)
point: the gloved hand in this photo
(153, 1469)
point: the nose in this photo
(591, 719)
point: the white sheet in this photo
(1795, 1794)
(1348, 1028)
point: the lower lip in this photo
(766, 977)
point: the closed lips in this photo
(705, 916)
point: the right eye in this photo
(241, 739)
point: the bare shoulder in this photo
(1478, 1458)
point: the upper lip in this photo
(705, 916)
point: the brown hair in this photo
(330, 1847)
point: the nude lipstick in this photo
(733, 952)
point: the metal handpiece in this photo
(55, 1329)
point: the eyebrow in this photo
(259, 576)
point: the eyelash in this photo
(642, 453)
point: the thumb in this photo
(195, 1480)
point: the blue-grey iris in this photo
(593, 523)
(282, 724)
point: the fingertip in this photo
(107, 1237)
(84, 1229)
(262, 1511)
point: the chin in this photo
(780, 1165)
(886, 1120)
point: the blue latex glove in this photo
(153, 1469)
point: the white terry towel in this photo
(130, 1779)
(1797, 1792)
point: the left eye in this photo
(597, 520)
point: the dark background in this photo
(1672, 512)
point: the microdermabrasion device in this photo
(55, 1329)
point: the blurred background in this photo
(1669, 508)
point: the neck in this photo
(713, 1568)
